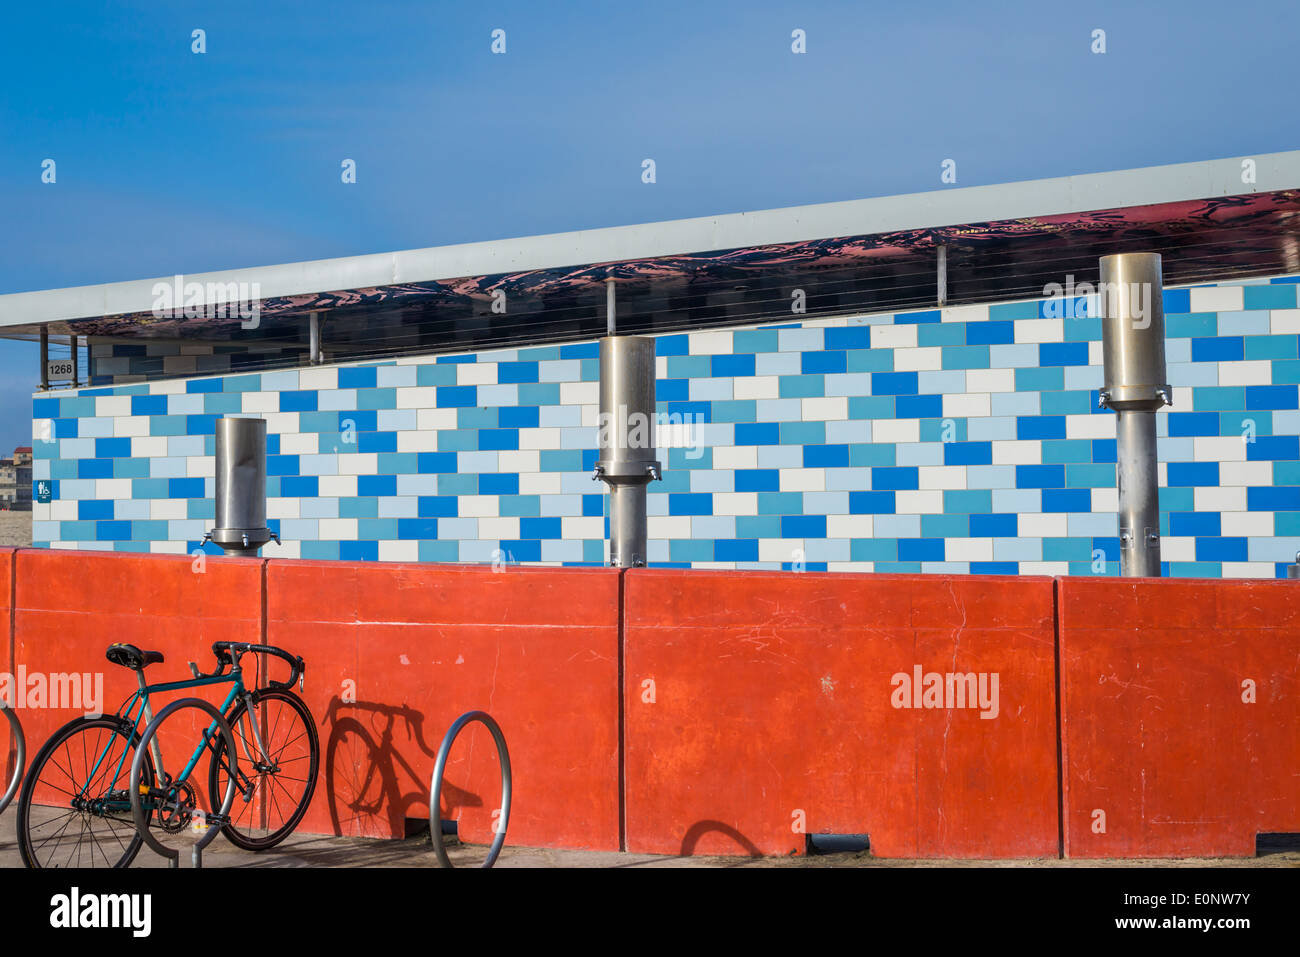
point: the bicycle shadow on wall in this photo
(371, 787)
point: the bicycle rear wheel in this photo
(271, 798)
(74, 810)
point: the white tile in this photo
(825, 409)
(1253, 372)
(926, 501)
(539, 438)
(964, 313)
(547, 483)
(432, 420)
(1245, 473)
(1090, 426)
(418, 397)
(131, 425)
(1248, 570)
(399, 551)
(149, 446)
(667, 526)
(710, 343)
(276, 507)
(113, 405)
(524, 460)
(112, 488)
(340, 529)
(417, 440)
(758, 387)
(300, 443)
(259, 403)
(990, 380)
(803, 480)
(1105, 500)
(338, 486)
(1178, 548)
(1017, 452)
(579, 393)
(1285, 321)
(941, 477)
(1044, 568)
(1251, 524)
(281, 422)
(479, 506)
(584, 526)
(1216, 299)
(476, 373)
(968, 549)
(499, 527)
(200, 466)
(358, 463)
(735, 457)
(321, 377)
(850, 526)
(894, 337)
(1039, 330)
(1042, 525)
(780, 549)
(926, 359)
(895, 430)
(967, 405)
(1210, 499)
(1219, 448)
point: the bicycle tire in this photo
(27, 847)
(231, 829)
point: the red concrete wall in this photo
(69, 606)
(772, 696)
(8, 753)
(396, 652)
(1157, 735)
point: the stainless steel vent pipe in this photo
(1131, 304)
(241, 487)
(627, 462)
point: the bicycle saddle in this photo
(129, 656)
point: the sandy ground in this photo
(15, 529)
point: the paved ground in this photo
(313, 851)
(15, 529)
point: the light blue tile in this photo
(947, 382)
(713, 526)
(285, 380)
(494, 396)
(801, 340)
(896, 526)
(990, 476)
(1178, 350)
(1017, 549)
(559, 550)
(779, 410)
(852, 383)
(559, 505)
(397, 420)
(1178, 449)
(401, 506)
(827, 549)
(780, 456)
(478, 461)
(777, 363)
(292, 529)
(135, 510)
(712, 480)
(1014, 403)
(167, 468)
(990, 429)
(185, 403)
(707, 390)
(178, 445)
(318, 465)
(1253, 323)
(1193, 373)
(830, 504)
(1008, 501)
(397, 377)
(1083, 377)
(848, 431)
(560, 370)
(97, 427)
(559, 416)
(580, 437)
(341, 400)
(76, 489)
(849, 480)
(77, 448)
(919, 453)
(457, 528)
(1092, 525)
(318, 508)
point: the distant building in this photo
(16, 480)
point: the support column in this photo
(627, 442)
(314, 338)
(76, 365)
(45, 359)
(1131, 301)
(941, 277)
(609, 307)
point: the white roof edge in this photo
(948, 207)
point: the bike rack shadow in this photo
(378, 786)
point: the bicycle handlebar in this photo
(224, 650)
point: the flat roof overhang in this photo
(1003, 242)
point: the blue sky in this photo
(174, 162)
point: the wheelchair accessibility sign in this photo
(44, 491)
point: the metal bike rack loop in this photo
(137, 765)
(435, 786)
(21, 761)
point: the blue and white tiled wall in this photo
(965, 439)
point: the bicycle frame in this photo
(140, 699)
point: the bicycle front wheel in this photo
(273, 788)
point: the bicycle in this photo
(85, 796)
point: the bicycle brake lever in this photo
(194, 670)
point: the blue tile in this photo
(112, 448)
(185, 488)
(91, 509)
(112, 531)
(438, 506)
(968, 453)
(1067, 500)
(1063, 353)
(1267, 447)
(994, 568)
(457, 396)
(359, 551)
(735, 550)
(758, 480)
(1177, 300)
(433, 462)
(1040, 476)
(1271, 397)
(357, 377)
(1040, 427)
(917, 406)
(1282, 498)
(593, 505)
(282, 465)
(758, 433)
(378, 485)
(508, 372)
(522, 551)
(920, 549)
(499, 483)
(591, 350)
(990, 332)
(94, 468)
(1218, 349)
(148, 405)
(893, 383)
(848, 337)
(300, 401)
(1193, 423)
(914, 318)
(993, 525)
(1193, 473)
(540, 528)
(1221, 549)
(377, 442)
(295, 486)
(823, 362)
(895, 478)
(731, 365)
(690, 503)
(1195, 524)
(803, 526)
